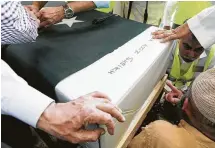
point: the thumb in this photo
(171, 98)
(173, 88)
(90, 135)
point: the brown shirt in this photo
(162, 134)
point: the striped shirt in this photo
(17, 26)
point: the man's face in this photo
(189, 48)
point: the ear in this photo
(186, 107)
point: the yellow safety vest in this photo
(187, 9)
(185, 79)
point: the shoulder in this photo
(159, 126)
(164, 134)
(159, 133)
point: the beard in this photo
(188, 59)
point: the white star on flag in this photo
(70, 21)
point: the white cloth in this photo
(202, 26)
(18, 99)
(168, 13)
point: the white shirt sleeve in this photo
(203, 26)
(20, 100)
(168, 11)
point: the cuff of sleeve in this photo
(101, 4)
(26, 103)
(200, 32)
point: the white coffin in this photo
(127, 76)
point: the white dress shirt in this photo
(18, 99)
(203, 26)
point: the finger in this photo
(173, 88)
(109, 102)
(105, 101)
(100, 117)
(43, 15)
(44, 24)
(38, 15)
(98, 94)
(169, 96)
(112, 110)
(158, 32)
(170, 37)
(172, 98)
(163, 35)
(87, 135)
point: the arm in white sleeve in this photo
(168, 11)
(203, 26)
(17, 25)
(20, 100)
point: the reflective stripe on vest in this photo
(210, 57)
(187, 9)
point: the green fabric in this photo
(60, 51)
(107, 10)
(187, 9)
(210, 57)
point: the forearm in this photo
(20, 100)
(80, 6)
(39, 4)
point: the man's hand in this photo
(168, 35)
(173, 96)
(67, 121)
(51, 15)
(33, 8)
(32, 14)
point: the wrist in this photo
(45, 118)
(61, 12)
(36, 6)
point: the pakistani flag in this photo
(68, 47)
